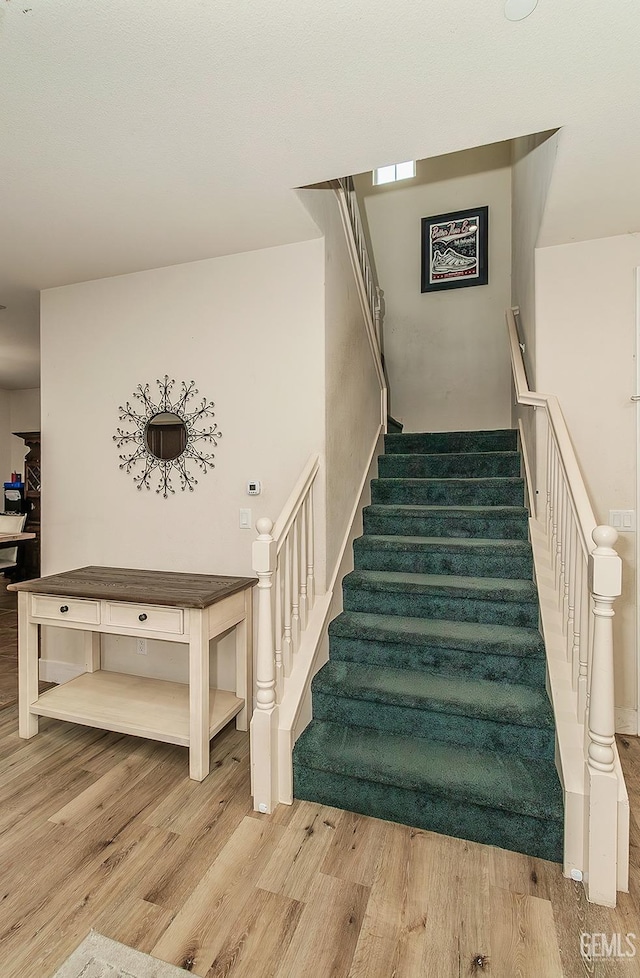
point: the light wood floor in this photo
(105, 831)
(8, 645)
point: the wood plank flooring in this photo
(106, 831)
(8, 646)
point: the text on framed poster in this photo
(455, 250)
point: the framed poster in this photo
(455, 250)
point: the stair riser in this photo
(445, 492)
(447, 526)
(526, 671)
(409, 605)
(453, 466)
(465, 564)
(429, 724)
(454, 442)
(520, 833)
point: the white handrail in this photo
(586, 580)
(571, 469)
(283, 559)
(370, 294)
(292, 506)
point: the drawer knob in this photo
(142, 617)
(64, 608)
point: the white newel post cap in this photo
(263, 547)
(606, 565)
(604, 537)
(264, 526)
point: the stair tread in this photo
(485, 778)
(436, 691)
(466, 432)
(451, 585)
(433, 509)
(506, 639)
(390, 541)
(451, 480)
(449, 455)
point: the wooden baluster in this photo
(303, 564)
(264, 720)
(606, 580)
(585, 653)
(554, 509)
(559, 562)
(295, 586)
(548, 482)
(280, 673)
(577, 619)
(570, 581)
(310, 542)
(563, 583)
(287, 641)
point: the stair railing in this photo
(283, 559)
(587, 581)
(371, 295)
(374, 292)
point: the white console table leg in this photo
(91, 651)
(198, 695)
(27, 668)
(244, 662)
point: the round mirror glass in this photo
(165, 436)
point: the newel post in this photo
(264, 720)
(605, 584)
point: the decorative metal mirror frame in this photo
(136, 458)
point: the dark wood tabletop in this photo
(139, 586)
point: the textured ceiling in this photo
(142, 133)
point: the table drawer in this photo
(146, 617)
(65, 609)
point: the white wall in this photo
(249, 329)
(533, 159)
(585, 341)
(24, 412)
(352, 407)
(19, 411)
(5, 440)
(445, 352)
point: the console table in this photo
(186, 608)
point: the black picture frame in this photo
(455, 253)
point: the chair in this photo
(10, 523)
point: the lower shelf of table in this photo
(150, 708)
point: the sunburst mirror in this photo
(166, 438)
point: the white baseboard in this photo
(55, 671)
(626, 721)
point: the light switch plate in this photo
(623, 520)
(245, 519)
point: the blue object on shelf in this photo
(14, 497)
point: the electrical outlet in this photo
(141, 646)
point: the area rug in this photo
(100, 957)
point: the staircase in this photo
(432, 709)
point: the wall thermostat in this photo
(253, 488)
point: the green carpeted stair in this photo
(432, 709)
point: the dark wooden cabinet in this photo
(29, 553)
